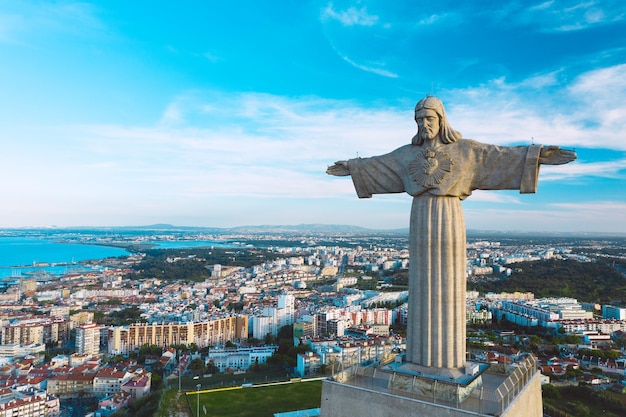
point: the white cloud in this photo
(259, 144)
(375, 70)
(495, 198)
(604, 169)
(562, 15)
(588, 112)
(172, 114)
(210, 149)
(350, 17)
(433, 18)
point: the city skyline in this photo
(223, 115)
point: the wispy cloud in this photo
(605, 169)
(351, 16)
(562, 15)
(495, 198)
(433, 18)
(211, 57)
(21, 22)
(373, 69)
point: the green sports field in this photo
(258, 401)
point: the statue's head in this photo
(426, 110)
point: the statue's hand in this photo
(340, 169)
(553, 155)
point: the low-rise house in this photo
(71, 384)
(308, 363)
(31, 383)
(556, 370)
(168, 360)
(138, 386)
(108, 381)
(111, 403)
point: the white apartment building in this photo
(240, 359)
(15, 350)
(88, 339)
(17, 404)
(262, 325)
(108, 381)
(273, 318)
(605, 326)
(544, 312)
(285, 310)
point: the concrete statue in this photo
(439, 169)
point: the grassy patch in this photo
(229, 380)
(173, 403)
(584, 401)
(259, 401)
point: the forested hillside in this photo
(191, 263)
(597, 282)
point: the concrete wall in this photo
(339, 400)
(528, 403)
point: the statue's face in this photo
(427, 123)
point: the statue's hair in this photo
(446, 132)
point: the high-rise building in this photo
(273, 318)
(285, 310)
(262, 325)
(88, 339)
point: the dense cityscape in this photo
(282, 304)
(110, 332)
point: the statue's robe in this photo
(439, 177)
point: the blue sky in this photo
(222, 114)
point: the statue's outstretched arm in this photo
(340, 169)
(553, 155)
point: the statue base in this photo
(450, 385)
(400, 391)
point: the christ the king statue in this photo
(439, 169)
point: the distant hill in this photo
(300, 228)
(317, 228)
(313, 228)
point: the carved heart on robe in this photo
(430, 167)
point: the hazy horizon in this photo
(316, 227)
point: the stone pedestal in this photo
(341, 400)
(384, 393)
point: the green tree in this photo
(211, 368)
(269, 339)
(197, 366)
(550, 392)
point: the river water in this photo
(22, 255)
